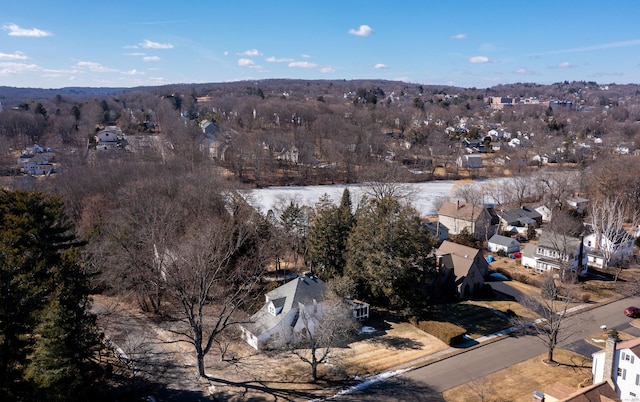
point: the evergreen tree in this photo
(45, 330)
(62, 362)
(388, 255)
(328, 236)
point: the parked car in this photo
(633, 312)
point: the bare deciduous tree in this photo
(214, 271)
(469, 193)
(555, 323)
(325, 326)
(607, 218)
(562, 236)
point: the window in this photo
(637, 379)
(622, 373)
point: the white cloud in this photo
(327, 70)
(305, 56)
(139, 54)
(364, 30)
(280, 60)
(147, 44)
(15, 30)
(226, 53)
(133, 72)
(250, 53)
(151, 58)
(13, 56)
(380, 66)
(246, 62)
(565, 64)
(16, 68)
(524, 71)
(95, 67)
(479, 59)
(458, 36)
(302, 64)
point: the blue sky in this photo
(53, 44)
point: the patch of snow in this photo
(369, 382)
(367, 330)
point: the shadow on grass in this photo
(396, 342)
(396, 389)
(475, 319)
(140, 389)
(263, 391)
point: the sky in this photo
(116, 43)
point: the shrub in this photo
(585, 297)
(501, 253)
(445, 331)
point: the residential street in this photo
(427, 383)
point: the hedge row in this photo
(445, 331)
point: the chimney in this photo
(609, 357)
(458, 204)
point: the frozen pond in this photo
(424, 196)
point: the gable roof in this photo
(460, 210)
(449, 247)
(305, 289)
(520, 215)
(457, 256)
(552, 241)
(436, 228)
(600, 392)
(459, 264)
(502, 240)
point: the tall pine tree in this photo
(328, 236)
(46, 334)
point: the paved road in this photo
(427, 383)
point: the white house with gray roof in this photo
(555, 251)
(503, 243)
(279, 317)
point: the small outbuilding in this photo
(503, 243)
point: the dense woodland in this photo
(167, 226)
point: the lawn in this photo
(396, 344)
(478, 320)
(518, 382)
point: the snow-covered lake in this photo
(424, 195)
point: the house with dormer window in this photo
(279, 317)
